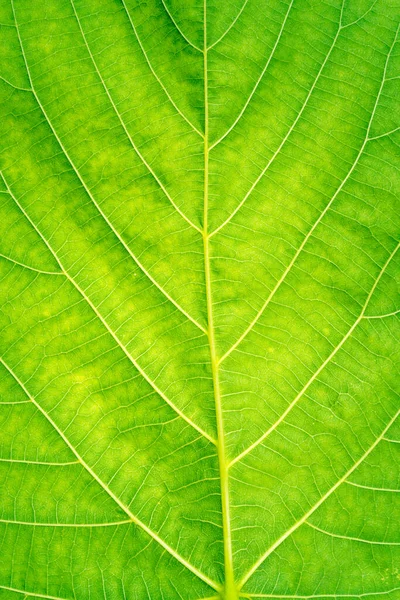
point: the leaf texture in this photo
(200, 308)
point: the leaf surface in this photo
(200, 274)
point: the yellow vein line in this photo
(321, 216)
(21, 89)
(16, 262)
(155, 74)
(89, 193)
(377, 137)
(37, 594)
(39, 462)
(391, 314)
(72, 525)
(109, 329)
(105, 487)
(362, 16)
(230, 26)
(230, 592)
(294, 597)
(301, 521)
(320, 369)
(227, 132)
(350, 538)
(12, 403)
(178, 28)
(372, 488)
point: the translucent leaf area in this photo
(199, 299)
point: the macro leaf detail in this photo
(200, 308)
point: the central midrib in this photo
(229, 589)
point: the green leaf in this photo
(200, 276)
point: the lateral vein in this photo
(36, 594)
(296, 597)
(16, 262)
(71, 525)
(350, 538)
(39, 462)
(178, 28)
(230, 26)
